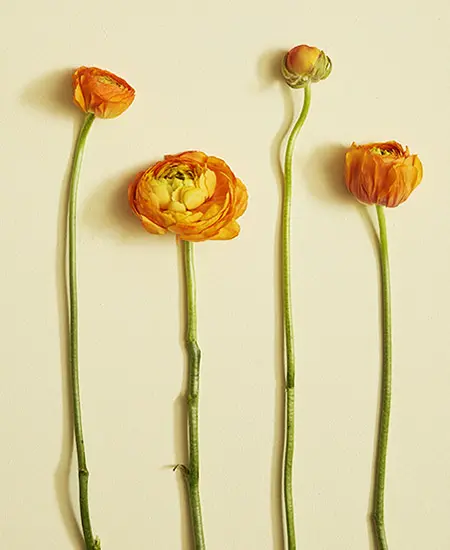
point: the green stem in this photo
(386, 391)
(83, 474)
(192, 472)
(288, 324)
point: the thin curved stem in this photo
(91, 542)
(288, 324)
(379, 530)
(192, 471)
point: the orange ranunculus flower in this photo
(304, 64)
(100, 92)
(382, 173)
(192, 195)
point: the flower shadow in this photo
(269, 74)
(51, 93)
(324, 174)
(106, 210)
(269, 68)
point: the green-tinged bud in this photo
(304, 64)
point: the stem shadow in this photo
(369, 221)
(51, 93)
(61, 478)
(324, 174)
(180, 444)
(180, 416)
(269, 74)
(371, 227)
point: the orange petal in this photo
(419, 167)
(193, 156)
(151, 227)
(101, 92)
(241, 199)
(218, 165)
(228, 232)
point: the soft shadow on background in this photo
(180, 417)
(269, 75)
(369, 219)
(107, 212)
(106, 209)
(62, 472)
(52, 94)
(366, 213)
(324, 173)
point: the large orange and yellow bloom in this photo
(382, 173)
(100, 92)
(190, 194)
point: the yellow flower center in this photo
(179, 190)
(104, 79)
(382, 152)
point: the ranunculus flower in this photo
(100, 92)
(304, 64)
(192, 195)
(382, 173)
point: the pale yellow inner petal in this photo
(163, 195)
(195, 197)
(210, 182)
(176, 206)
(178, 190)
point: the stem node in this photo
(183, 469)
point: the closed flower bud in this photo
(304, 64)
(192, 195)
(382, 173)
(100, 92)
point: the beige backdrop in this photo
(204, 76)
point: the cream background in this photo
(204, 75)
